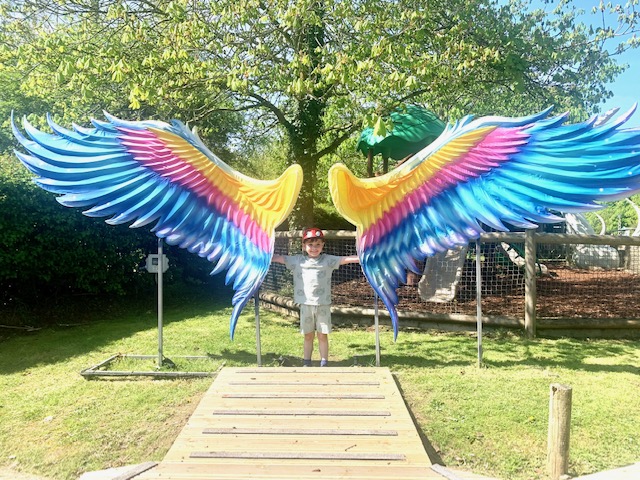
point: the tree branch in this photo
(282, 119)
(335, 143)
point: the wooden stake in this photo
(559, 426)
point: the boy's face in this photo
(313, 247)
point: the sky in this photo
(626, 87)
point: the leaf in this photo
(380, 128)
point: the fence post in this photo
(530, 292)
(559, 427)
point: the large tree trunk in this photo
(307, 126)
(303, 215)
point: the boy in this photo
(312, 290)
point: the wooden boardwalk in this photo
(298, 423)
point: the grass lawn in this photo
(490, 420)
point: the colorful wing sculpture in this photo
(151, 171)
(493, 170)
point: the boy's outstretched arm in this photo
(349, 259)
(277, 259)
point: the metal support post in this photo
(479, 301)
(258, 346)
(159, 277)
(377, 328)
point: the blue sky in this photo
(626, 88)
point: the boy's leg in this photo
(323, 327)
(323, 347)
(308, 348)
(308, 329)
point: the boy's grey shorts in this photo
(315, 318)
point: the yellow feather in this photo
(363, 201)
(267, 202)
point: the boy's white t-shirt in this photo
(312, 277)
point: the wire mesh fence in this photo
(589, 281)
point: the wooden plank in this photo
(300, 455)
(305, 382)
(302, 370)
(325, 413)
(284, 443)
(323, 396)
(295, 389)
(317, 406)
(294, 431)
(226, 421)
(214, 463)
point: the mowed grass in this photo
(491, 420)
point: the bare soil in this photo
(564, 292)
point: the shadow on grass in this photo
(426, 349)
(437, 349)
(566, 353)
(93, 331)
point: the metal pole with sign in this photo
(159, 264)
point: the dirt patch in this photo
(564, 292)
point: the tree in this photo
(49, 63)
(307, 71)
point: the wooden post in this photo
(559, 426)
(530, 291)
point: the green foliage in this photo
(46, 247)
(263, 157)
(13, 100)
(618, 216)
(328, 218)
(48, 252)
(311, 69)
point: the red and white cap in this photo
(311, 233)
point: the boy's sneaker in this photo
(306, 363)
(323, 363)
